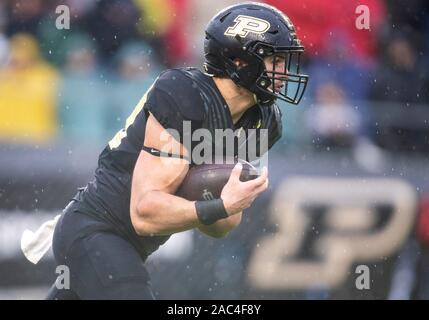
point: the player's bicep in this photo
(160, 173)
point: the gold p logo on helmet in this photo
(245, 24)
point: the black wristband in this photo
(210, 211)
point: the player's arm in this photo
(221, 227)
(154, 208)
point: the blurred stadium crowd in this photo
(80, 84)
(368, 93)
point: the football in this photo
(206, 181)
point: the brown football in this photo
(206, 181)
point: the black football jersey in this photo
(177, 95)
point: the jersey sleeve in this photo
(163, 107)
(173, 100)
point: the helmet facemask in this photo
(262, 82)
(284, 82)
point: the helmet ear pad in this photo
(249, 75)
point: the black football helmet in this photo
(251, 32)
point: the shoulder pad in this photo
(183, 91)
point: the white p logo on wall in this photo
(245, 24)
(326, 225)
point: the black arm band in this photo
(210, 211)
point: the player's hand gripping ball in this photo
(206, 181)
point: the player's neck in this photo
(238, 99)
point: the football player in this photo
(105, 234)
